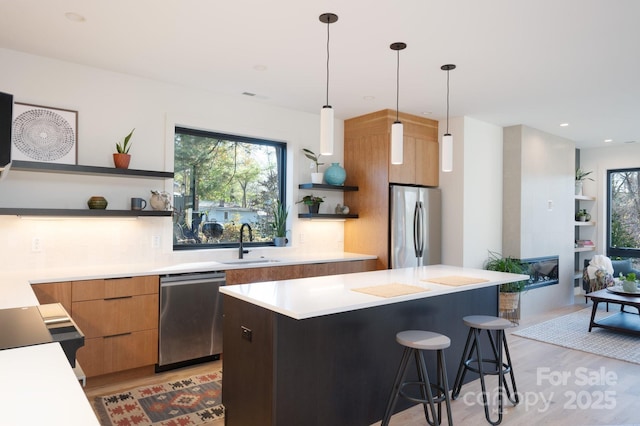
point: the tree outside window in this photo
(222, 181)
(623, 236)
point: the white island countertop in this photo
(313, 297)
(39, 388)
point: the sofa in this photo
(623, 267)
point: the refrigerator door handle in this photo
(418, 244)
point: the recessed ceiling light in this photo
(564, 124)
(427, 112)
(74, 17)
(608, 140)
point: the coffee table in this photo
(626, 322)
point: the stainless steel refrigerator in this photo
(415, 226)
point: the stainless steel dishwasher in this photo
(190, 318)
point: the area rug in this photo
(572, 331)
(194, 400)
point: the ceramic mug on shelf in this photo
(138, 203)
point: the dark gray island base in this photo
(334, 369)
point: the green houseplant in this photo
(509, 292)
(581, 176)
(280, 214)
(317, 176)
(312, 202)
(121, 158)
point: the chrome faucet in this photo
(241, 250)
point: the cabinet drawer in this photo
(103, 355)
(116, 287)
(105, 317)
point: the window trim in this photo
(616, 251)
(281, 154)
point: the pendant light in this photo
(447, 139)
(326, 114)
(397, 134)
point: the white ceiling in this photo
(533, 62)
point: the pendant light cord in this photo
(447, 101)
(328, 23)
(398, 85)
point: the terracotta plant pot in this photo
(121, 161)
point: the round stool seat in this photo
(486, 322)
(423, 340)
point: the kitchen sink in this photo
(248, 261)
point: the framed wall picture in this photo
(44, 134)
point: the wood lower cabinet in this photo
(119, 318)
(54, 293)
(275, 273)
(110, 354)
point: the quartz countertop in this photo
(317, 296)
(15, 286)
(39, 388)
(41, 374)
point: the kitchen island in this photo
(319, 351)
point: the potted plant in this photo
(581, 176)
(317, 176)
(312, 202)
(629, 283)
(280, 214)
(509, 292)
(121, 158)
(582, 215)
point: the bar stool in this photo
(414, 342)
(476, 324)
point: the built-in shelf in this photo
(326, 216)
(35, 166)
(327, 187)
(590, 223)
(84, 213)
(585, 198)
(580, 249)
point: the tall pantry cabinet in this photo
(367, 160)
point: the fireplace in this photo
(542, 271)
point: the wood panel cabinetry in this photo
(367, 159)
(288, 272)
(119, 318)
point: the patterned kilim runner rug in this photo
(191, 401)
(572, 331)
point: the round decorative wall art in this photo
(43, 134)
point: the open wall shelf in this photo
(84, 213)
(35, 166)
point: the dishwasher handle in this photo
(175, 280)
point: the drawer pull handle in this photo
(117, 335)
(119, 297)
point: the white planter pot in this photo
(578, 187)
(316, 177)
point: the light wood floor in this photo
(609, 398)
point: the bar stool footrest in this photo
(438, 397)
(506, 368)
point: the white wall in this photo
(109, 105)
(472, 193)
(538, 209)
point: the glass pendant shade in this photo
(326, 130)
(397, 143)
(447, 153)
